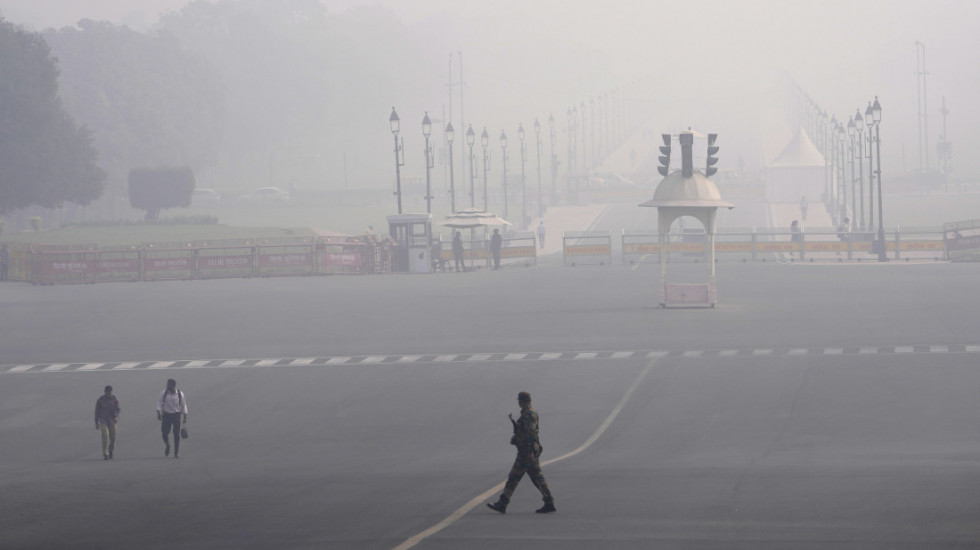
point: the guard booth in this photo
(687, 192)
(413, 242)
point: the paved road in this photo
(818, 406)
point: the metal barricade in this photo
(586, 248)
(225, 261)
(640, 246)
(519, 247)
(168, 263)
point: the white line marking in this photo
(833, 351)
(21, 368)
(476, 501)
(479, 357)
(865, 351)
(338, 360)
(727, 353)
(588, 355)
(548, 356)
(194, 364)
(373, 359)
(622, 355)
(762, 352)
(972, 349)
(799, 351)
(444, 359)
(56, 367)
(124, 366)
(409, 359)
(234, 363)
(938, 349)
(161, 365)
(90, 366)
(303, 361)
(693, 353)
(656, 354)
(515, 356)
(266, 363)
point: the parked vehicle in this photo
(265, 195)
(205, 196)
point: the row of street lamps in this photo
(842, 142)
(450, 135)
(610, 114)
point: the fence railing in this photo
(926, 244)
(203, 260)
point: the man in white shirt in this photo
(170, 406)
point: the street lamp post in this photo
(841, 136)
(870, 122)
(450, 136)
(851, 130)
(520, 137)
(876, 117)
(427, 131)
(470, 138)
(859, 124)
(484, 142)
(393, 120)
(554, 159)
(503, 148)
(537, 150)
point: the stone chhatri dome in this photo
(696, 191)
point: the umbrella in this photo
(471, 217)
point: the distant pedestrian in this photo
(106, 416)
(804, 206)
(170, 405)
(528, 451)
(496, 241)
(4, 262)
(541, 232)
(458, 252)
(794, 229)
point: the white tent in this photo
(796, 173)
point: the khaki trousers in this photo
(108, 438)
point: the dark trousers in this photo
(171, 422)
(526, 463)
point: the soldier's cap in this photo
(523, 396)
(108, 388)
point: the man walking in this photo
(170, 406)
(496, 241)
(458, 252)
(106, 416)
(528, 451)
(541, 232)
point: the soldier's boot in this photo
(549, 506)
(499, 506)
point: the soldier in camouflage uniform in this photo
(528, 450)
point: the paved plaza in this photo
(818, 405)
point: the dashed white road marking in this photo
(477, 358)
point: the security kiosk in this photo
(687, 192)
(413, 242)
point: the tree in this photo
(45, 158)
(148, 101)
(153, 189)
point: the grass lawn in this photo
(235, 222)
